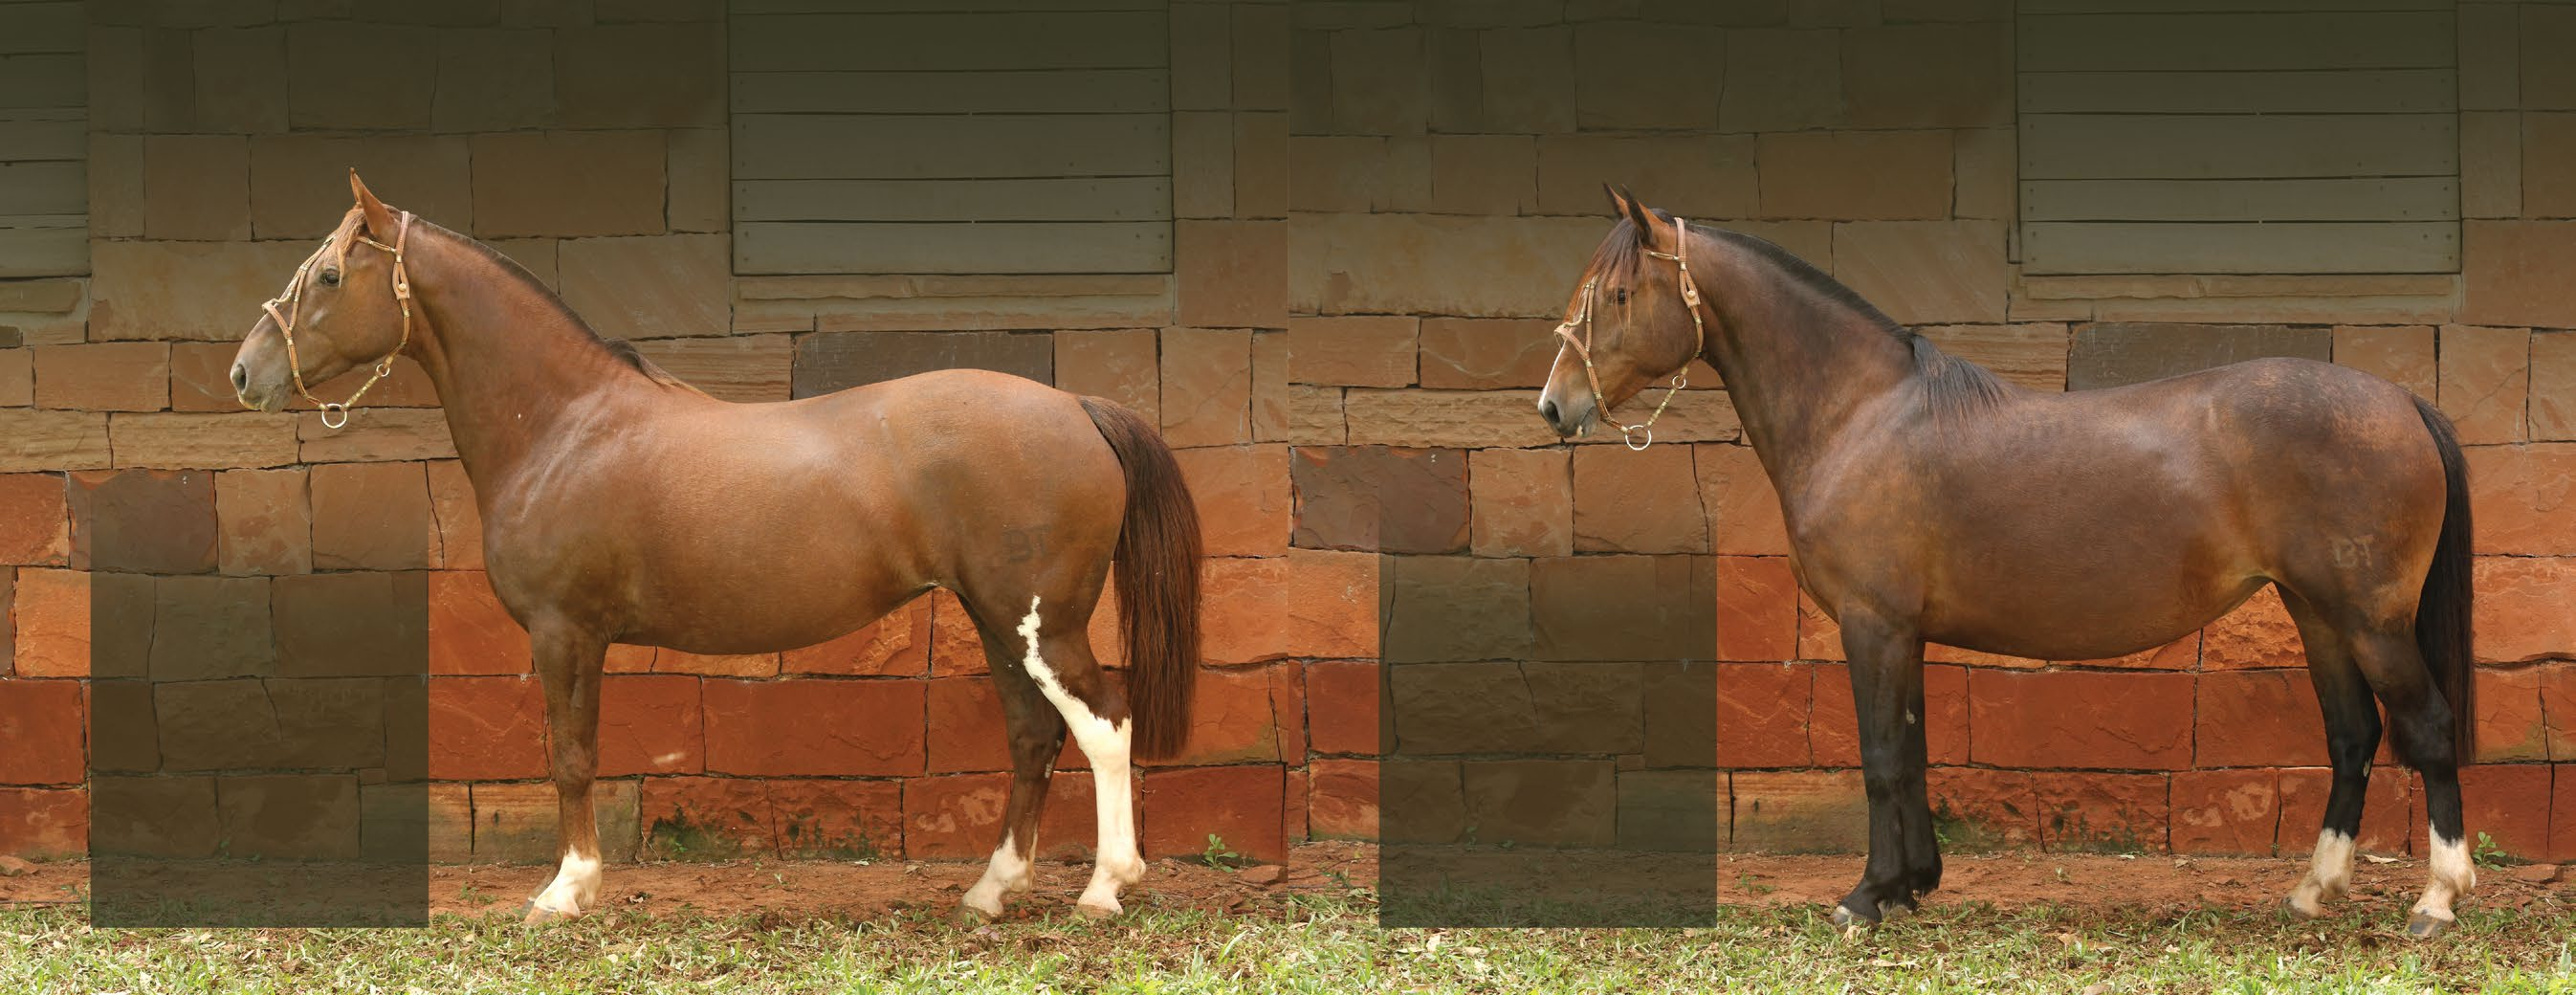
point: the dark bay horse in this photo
(621, 505)
(1928, 500)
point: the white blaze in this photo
(2453, 876)
(1007, 873)
(1105, 743)
(575, 887)
(2329, 873)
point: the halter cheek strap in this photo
(335, 414)
(1582, 347)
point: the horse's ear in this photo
(1658, 233)
(379, 218)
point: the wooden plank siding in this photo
(2211, 136)
(985, 137)
(44, 140)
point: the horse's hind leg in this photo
(2420, 727)
(568, 662)
(2352, 735)
(1056, 648)
(1037, 736)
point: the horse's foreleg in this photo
(568, 662)
(2352, 735)
(1037, 736)
(1058, 657)
(1887, 693)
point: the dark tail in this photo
(2442, 613)
(1158, 580)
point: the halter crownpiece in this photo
(294, 301)
(1681, 379)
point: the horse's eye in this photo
(330, 278)
(1623, 296)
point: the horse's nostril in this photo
(241, 378)
(1547, 410)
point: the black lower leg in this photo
(1887, 695)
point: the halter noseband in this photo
(1681, 379)
(294, 301)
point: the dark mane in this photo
(622, 350)
(1952, 386)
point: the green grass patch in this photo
(1314, 943)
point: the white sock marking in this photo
(575, 887)
(1007, 873)
(2329, 873)
(2453, 877)
(1105, 743)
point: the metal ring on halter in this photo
(331, 407)
(1627, 437)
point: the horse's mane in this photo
(620, 349)
(1952, 385)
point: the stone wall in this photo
(1379, 208)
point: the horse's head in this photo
(347, 305)
(1628, 324)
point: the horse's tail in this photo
(2442, 624)
(1158, 580)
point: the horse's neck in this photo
(1798, 366)
(510, 362)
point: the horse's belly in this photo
(2111, 616)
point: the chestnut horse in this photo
(621, 505)
(1928, 500)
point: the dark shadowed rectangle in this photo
(256, 743)
(1549, 741)
(840, 360)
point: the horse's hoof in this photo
(2290, 907)
(1099, 913)
(2425, 926)
(1852, 922)
(1894, 910)
(969, 917)
(533, 914)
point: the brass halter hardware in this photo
(1629, 434)
(335, 414)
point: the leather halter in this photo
(1699, 341)
(293, 299)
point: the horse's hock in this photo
(1394, 537)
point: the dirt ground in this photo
(822, 889)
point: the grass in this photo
(1312, 943)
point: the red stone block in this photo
(469, 631)
(955, 646)
(371, 516)
(1834, 726)
(1240, 805)
(1763, 714)
(2562, 814)
(1233, 718)
(705, 817)
(1798, 811)
(2386, 823)
(37, 823)
(956, 816)
(2521, 608)
(1743, 510)
(2258, 633)
(966, 727)
(814, 727)
(35, 526)
(2558, 703)
(2225, 811)
(2181, 654)
(2518, 497)
(1984, 807)
(1310, 603)
(670, 661)
(623, 658)
(1288, 710)
(143, 521)
(458, 518)
(1341, 799)
(1342, 706)
(1207, 387)
(1637, 502)
(1757, 609)
(486, 728)
(897, 645)
(1380, 499)
(2258, 718)
(1242, 498)
(1119, 364)
(2081, 719)
(836, 819)
(2509, 802)
(650, 724)
(43, 727)
(1521, 502)
(52, 623)
(2081, 810)
(1819, 636)
(2511, 726)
